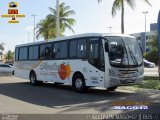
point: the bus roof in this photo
(77, 36)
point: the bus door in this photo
(96, 61)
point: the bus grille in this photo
(128, 73)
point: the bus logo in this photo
(64, 71)
(13, 13)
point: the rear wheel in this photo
(112, 88)
(79, 83)
(33, 79)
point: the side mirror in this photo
(106, 47)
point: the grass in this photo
(149, 84)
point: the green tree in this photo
(119, 5)
(44, 30)
(1, 49)
(47, 26)
(65, 21)
(153, 54)
(9, 55)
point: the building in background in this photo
(149, 37)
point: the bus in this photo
(83, 61)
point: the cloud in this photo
(29, 28)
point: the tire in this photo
(13, 72)
(148, 66)
(112, 88)
(79, 83)
(33, 79)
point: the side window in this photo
(33, 52)
(73, 49)
(81, 48)
(23, 53)
(63, 49)
(56, 50)
(36, 52)
(60, 50)
(16, 54)
(42, 51)
(46, 51)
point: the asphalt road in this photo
(18, 96)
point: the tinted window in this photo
(73, 49)
(16, 53)
(81, 48)
(42, 51)
(60, 50)
(5, 66)
(56, 50)
(46, 51)
(63, 49)
(23, 53)
(33, 52)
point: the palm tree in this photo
(47, 26)
(119, 5)
(64, 13)
(44, 29)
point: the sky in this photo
(90, 17)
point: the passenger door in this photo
(96, 61)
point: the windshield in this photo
(124, 51)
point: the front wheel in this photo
(79, 83)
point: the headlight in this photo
(111, 73)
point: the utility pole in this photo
(34, 29)
(57, 20)
(110, 29)
(145, 14)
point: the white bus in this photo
(86, 60)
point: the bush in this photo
(150, 84)
(152, 56)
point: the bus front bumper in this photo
(115, 81)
